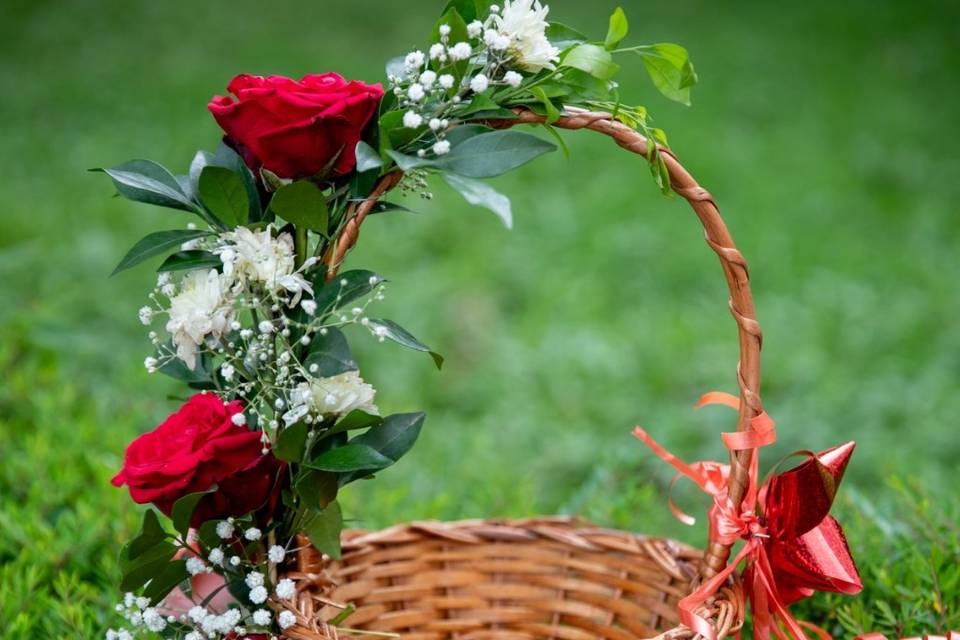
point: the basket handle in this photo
(718, 238)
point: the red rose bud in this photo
(297, 129)
(194, 449)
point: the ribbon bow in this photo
(792, 546)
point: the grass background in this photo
(826, 131)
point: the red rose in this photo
(195, 448)
(296, 129)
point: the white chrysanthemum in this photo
(201, 310)
(259, 257)
(285, 589)
(339, 394)
(525, 23)
(286, 619)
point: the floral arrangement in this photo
(251, 312)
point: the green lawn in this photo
(827, 132)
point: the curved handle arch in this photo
(717, 236)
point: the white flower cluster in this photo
(203, 623)
(494, 53)
(141, 616)
(246, 318)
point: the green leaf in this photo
(406, 163)
(165, 579)
(151, 533)
(393, 135)
(317, 489)
(331, 353)
(136, 573)
(482, 194)
(148, 182)
(155, 244)
(670, 69)
(291, 441)
(617, 30)
(483, 107)
(367, 157)
(382, 206)
(183, 509)
(356, 419)
(177, 369)
(303, 204)
(222, 192)
(459, 134)
(469, 10)
(492, 154)
(344, 289)
(458, 26)
(229, 159)
(593, 59)
(390, 329)
(395, 437)
(323, 528)
(561, 36)
(553, 114)
(350, 457)
(200, 160)
(190, 260)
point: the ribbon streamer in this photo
(792, 548)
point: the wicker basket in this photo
(543, 578)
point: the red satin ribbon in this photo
(729, 523)
(951, 635)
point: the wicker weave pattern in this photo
(537, 579)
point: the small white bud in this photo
(479, 83)
(252, 533)
(427, 78)
(435, 124)
(441, 147)
(239, 419)
(415, 93)
(411, 120)
(474, 29)
(265, 327)
(444, 30)
(460, 51)
(513, 79)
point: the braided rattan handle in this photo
(717, 236)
